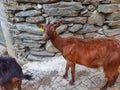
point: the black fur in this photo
(9, 69)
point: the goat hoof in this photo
(65, 76)
(104, 88)
(71, 82)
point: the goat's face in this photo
(45, 31)
(49, 30)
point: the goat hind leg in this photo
(112, 82)
(112, 77)
(105, 86)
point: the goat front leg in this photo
(19, 85)
(72, 65)
(105, 86)
(66, 70)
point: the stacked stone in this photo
(81, 18)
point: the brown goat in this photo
(93, 53)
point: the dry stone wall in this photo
(81, 18)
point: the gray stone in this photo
(29, 28)
(14, 32)
(88, 14)
(115, 1)
(81, 20)
(45, 15)
(114, 16)
(113, 24)
(105, 27)
(16, 19)
(31, 45)
(96, 18)
(78, 36)
(29, 36)
(42, 53)
(105, 1)
(108, 8)
(63, 9)
(10, 15)
(33, 41)
(117, 37)
(88, 28)
(75, 28)
(37, 49)
(37, 1)
(91, 7)
(79, 0)
(65, 35)
(21, 7)
(35, 19)
(28, 13)
(37, 58)
(84, 12)
(50, 48)
(38, 7)
(95, 2)
(62, 28)
(112, 32)
(92, 35)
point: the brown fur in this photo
(93, 53)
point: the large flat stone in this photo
(87, 28)
(112, 32)
(37, 58)
(37, 1)
(115, 1)
(35, 19)
(108, 8)
(96, 18)
(61, 28)
(16, 19)
(81, 20)
(33, 41)
(113, 24)
(21, 7)
(63, 9)
(114, 16)
(27, 36)
(31, 45)
(28, 13)
(42, 53)
(75, 28)
(29, 28)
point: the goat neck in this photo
(57, 40)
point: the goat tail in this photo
(27, 77)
